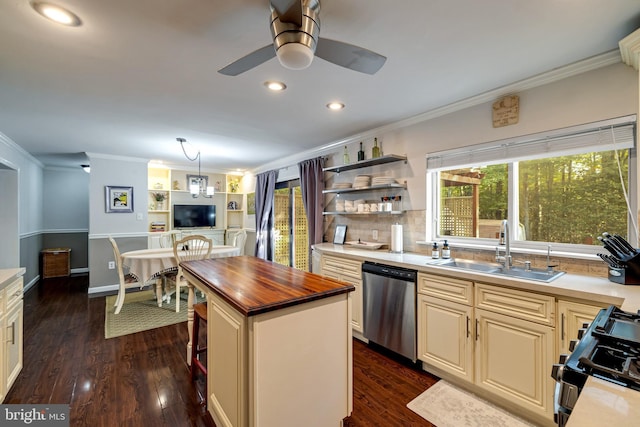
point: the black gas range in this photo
(609, 348)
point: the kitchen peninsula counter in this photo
(279, 343)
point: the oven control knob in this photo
(586, 325)
(563, 358)
(573, 344)
(581, 333)
(556, 371)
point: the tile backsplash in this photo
(413, 224)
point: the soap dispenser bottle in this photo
(446, 251)
(435, 252)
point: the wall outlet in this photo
(112, 265)
(374, 234)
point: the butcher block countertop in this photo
(253, 286)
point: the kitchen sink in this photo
(495, 268)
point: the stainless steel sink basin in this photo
(465, 264)
(495, 268)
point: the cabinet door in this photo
(571, 316)
(445, 338)
(513, 359)
(13, 339)
(227, 376)
(349, 271)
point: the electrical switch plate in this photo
(374, 234)
(112, 265)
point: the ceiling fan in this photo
(295, 29)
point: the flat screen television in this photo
(185, 216)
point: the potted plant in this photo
(159, 197)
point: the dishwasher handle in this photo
(400, 273)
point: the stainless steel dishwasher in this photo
(389, 305)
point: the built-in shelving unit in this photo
(173, 184)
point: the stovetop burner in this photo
(610, 349)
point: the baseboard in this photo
(103, 289)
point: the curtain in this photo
(265, 189)
(312, 184)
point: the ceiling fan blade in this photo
(249, 61)
(289, 11)
(349, 56)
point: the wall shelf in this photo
(364, 213)
(361, 189)
(364, 163)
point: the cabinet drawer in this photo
(342, 266)
(511, 302)
(447, 288)
(13, 294)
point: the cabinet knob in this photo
(556, 371)
(572, 345)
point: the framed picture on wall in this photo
(118, 199)
(340, 234)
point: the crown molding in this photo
(630, 49)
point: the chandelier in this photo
(197, 186)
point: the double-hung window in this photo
(564, 187)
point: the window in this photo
(563, 187)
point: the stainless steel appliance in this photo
(609, 348)
(389, 305)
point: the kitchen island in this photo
(279, 343)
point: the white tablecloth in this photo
(148, 264)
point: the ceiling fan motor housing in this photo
(296, 45)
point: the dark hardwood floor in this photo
(142, 379)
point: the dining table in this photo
(154, 264)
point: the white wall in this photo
(596, 95)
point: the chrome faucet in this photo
(505, 260)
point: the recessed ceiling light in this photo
(56, 14)
(275, 86)
(335, 106)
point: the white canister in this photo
(396, 238)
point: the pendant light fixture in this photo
(197, 188)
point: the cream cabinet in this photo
(11, 333)
(260, 368)
(500, 339)
(445, 316)
(515, 346)
(571, 317)
(349, 271)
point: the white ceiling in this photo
(138, 74)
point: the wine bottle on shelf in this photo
(375, 151)
(345, 157)
(361, 153)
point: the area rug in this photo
(447, 406)
(140, 312)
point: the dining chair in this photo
(168, 239)
(126, 281)
(190, 248)
(239, 240)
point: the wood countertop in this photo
(252, 285)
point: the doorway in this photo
(291, 236)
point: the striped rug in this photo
(140, 312)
